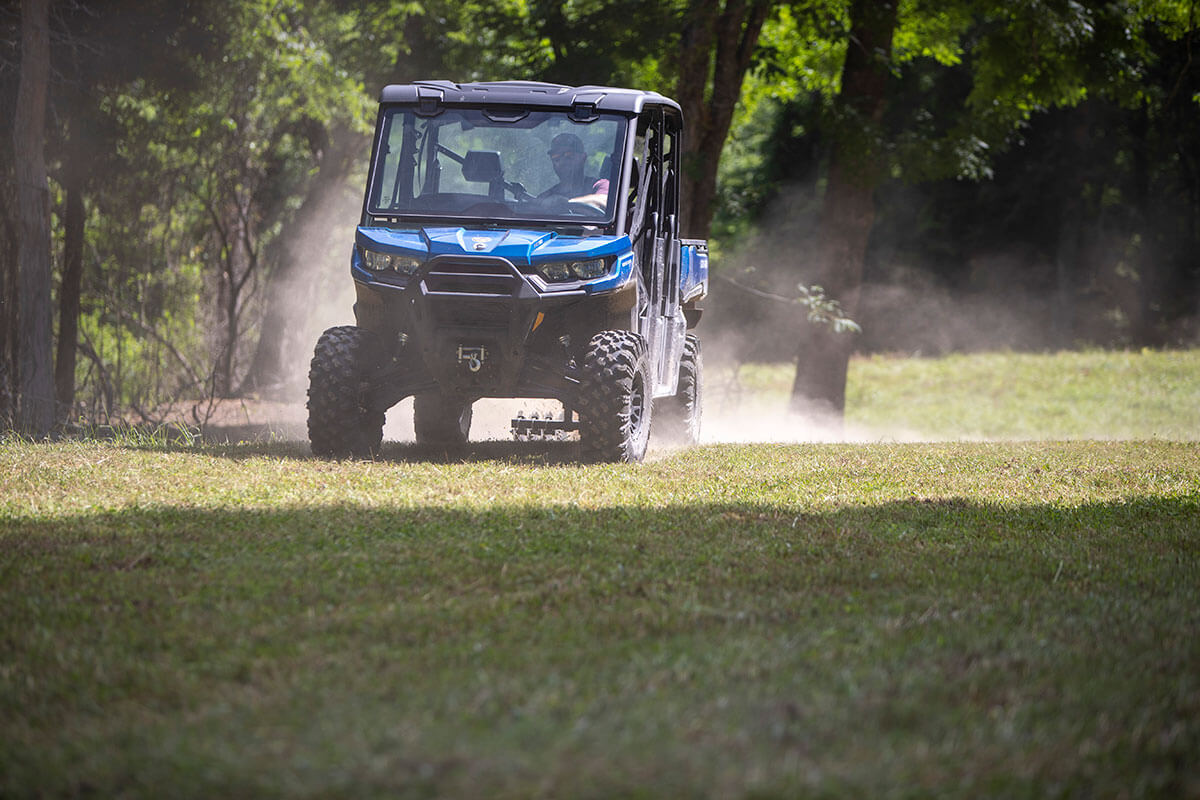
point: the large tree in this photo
(1018, 62)
(848, 211)
(35, 380)
(716, 45)
(71, 283)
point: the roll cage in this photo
(641, 161)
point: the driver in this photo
(568, 158)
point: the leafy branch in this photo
(825, 310)
(822, 310)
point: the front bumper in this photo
(478, 326)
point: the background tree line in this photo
(179, 178)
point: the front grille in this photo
(479, 277)
(471, 313)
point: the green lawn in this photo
(1084, 395)
(864, 620)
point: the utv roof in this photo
(522, 94)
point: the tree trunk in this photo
(72, 278)
(848, 212)
(227, 361)
(280, 356)
(234, 266)
(35, 374)
(716, 46)
(8, 305)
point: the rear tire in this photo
(678, 417)
(340, 424)
(440, 420)
(615, 398)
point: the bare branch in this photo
(750, 290)
(142, 327)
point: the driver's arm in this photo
(598, 198)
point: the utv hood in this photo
(519, 246)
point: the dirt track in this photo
(258, 420)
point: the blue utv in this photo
(519, 240)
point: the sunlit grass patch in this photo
(1096, 394)
(1068, 395)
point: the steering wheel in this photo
(557, 204)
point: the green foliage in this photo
(598, 41)
(199, 185)
(1015, 60)
(932, 29)
(823, 310)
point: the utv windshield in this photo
(496, 163)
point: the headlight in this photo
(559, 271)
(378, 262)
(590, 269)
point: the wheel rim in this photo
(637, 406)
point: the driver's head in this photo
(567, 156)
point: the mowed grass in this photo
(841, 620)
(1071, 395)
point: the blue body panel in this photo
(693, 269)
(523, 248)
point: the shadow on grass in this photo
(948, 647)
(683, 531)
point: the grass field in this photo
(863, 620)
(1071, 395)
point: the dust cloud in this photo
(734, 330)
(322, 294)
(334, 296)
(998, 299)
(754, 420)
(1003, 300)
